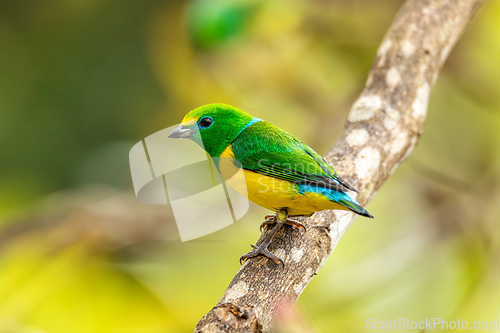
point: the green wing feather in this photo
(268, 150)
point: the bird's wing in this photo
(268, 150)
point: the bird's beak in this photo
(181, 132)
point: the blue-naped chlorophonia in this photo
(281, 173)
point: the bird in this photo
(280, 172)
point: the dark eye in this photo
(206, 122)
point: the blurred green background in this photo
(81, 81)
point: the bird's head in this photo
(212, 126)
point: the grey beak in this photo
(180, 132)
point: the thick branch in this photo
(382, 129)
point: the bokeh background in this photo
(81, 81)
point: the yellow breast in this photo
(269, 192)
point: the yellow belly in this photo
(269, 192)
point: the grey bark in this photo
(381, 131)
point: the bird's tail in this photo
(345, 200)
(355, 207)
(337, 197)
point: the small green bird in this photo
(281, 173)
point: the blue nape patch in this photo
(329, 193)
(251, 122)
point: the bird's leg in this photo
(281, 217)
(271, 219)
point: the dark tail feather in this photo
(344, 182)
(356, 208)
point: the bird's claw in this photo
(271, 219)
(263, 251)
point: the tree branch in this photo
(381, 131)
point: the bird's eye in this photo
(206, 122)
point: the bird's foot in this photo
(261, 250)
(271, 219)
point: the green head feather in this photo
(215, 126)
